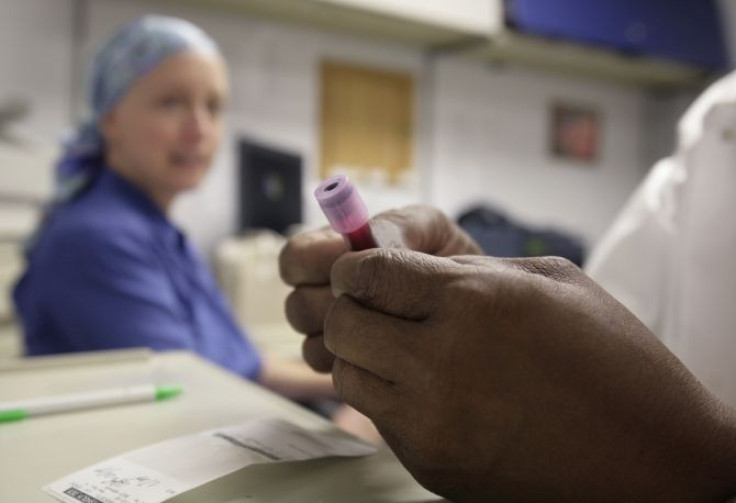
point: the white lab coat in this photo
(670, 255)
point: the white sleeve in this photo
(631, 261)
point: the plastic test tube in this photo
(346, 211)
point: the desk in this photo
(40, 450)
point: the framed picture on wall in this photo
(575, 132)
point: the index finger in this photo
(401, 283)
(307, 258)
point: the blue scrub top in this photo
(110, 271)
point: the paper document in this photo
(161, 471)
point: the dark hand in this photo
(307, 259)
(521, 380)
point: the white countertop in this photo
(40, 450)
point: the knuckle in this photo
(467, 287)
(367, 284)
(435, 215)
(555, 268)
(288, 261)
(306, 308)
(558, 263)
(559, 268)
(316, 355)
(294, 309)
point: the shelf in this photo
(566, 58)
(487, 40)
(383, 20)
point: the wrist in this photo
(709, 463)
(724, 450)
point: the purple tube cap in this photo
(341, 204)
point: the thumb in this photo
(426, 229)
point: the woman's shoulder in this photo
(107, 210)
(94, 222)
(92, 232)
(105, 220)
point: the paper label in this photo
(387, 234)
(161, 471)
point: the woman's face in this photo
(164, 133)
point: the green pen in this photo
(22, 409)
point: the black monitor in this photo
(270, 188)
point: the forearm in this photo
(691, 455)
(712, 463)
(294, 379)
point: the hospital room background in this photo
(528, 122)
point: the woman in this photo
(108, 269)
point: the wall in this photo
(471, 16)
(487, 139)
(35, 55)
(492, 144)
(36, 58)
(662, 112)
